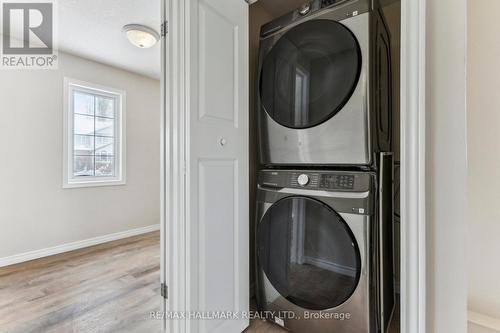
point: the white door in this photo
(207, 227)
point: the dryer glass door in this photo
(310, 73)
(308, 253)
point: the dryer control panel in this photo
(337, 10)
(316, 180)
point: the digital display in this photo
(337, 182)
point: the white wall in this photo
(483, 92)
(35, 211)
(446, 166)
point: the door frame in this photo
(413, 133)
(173, 166)
(413, 190)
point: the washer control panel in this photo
(316, 180)
(298, 179)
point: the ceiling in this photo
(277, 8)
(93, 29)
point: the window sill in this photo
(94, 183)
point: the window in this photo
(94, 135)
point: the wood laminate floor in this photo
(112, 287)
(105, 288)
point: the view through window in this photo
(94, 132)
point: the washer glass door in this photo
(308, 253)
(310, 73)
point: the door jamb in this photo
(413, 226)
(173, 76)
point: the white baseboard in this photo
(485, 321)
(27, 256)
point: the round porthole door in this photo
(310, 74)
(308, 253)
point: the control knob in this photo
(303, 180)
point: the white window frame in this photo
(70, 85)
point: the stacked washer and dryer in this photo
(325, 196)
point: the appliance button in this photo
(303, 180)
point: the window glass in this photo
(104, 126)
(83, 145)
(83, 166)
(104, 145)
(84, 125)
(105, 107)
(104, 166)
(94, 131)
(83, 103)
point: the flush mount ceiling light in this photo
(141, 36)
